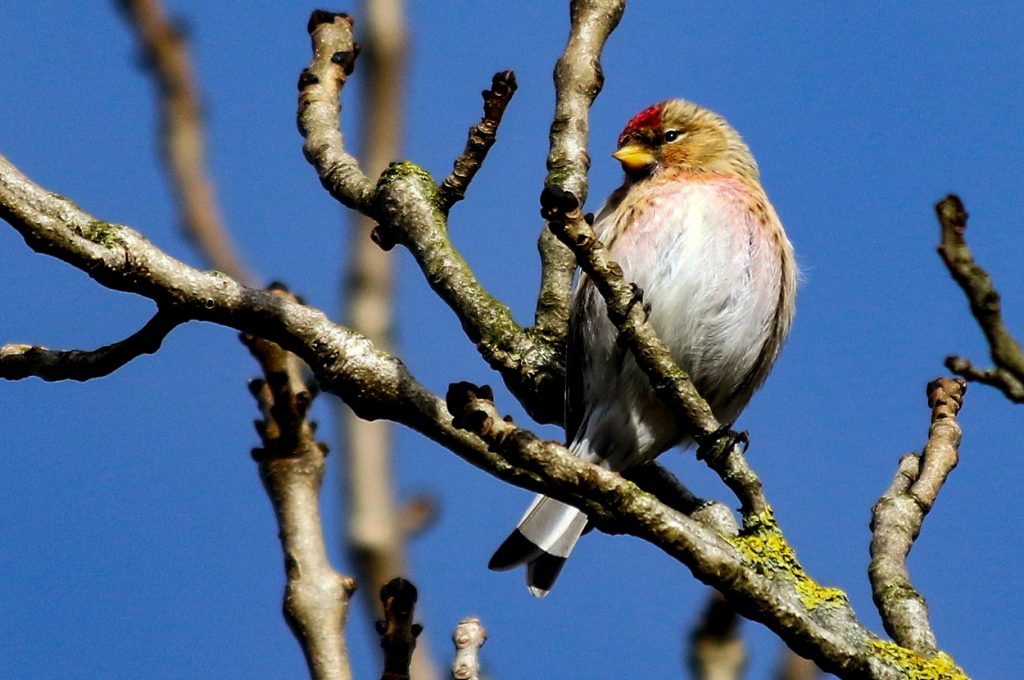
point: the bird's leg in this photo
(636, 299)
(714, 445)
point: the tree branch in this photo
(405, 203)
(716, 650)
(166, 58)
(334, 57)
(375, 536)
(291, 464)
(578, 80)
(397, 631)
(23, 361)
(481, 138)
(757, 570)
(1008, 374)
(898, 515)
(469, 636)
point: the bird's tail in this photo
(542, 541)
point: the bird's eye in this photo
(672, 135)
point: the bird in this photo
(692, 228)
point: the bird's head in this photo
(680, 134)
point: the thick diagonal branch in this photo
(1008, 374)
(23, 361)
(166, 57)
(898, 515)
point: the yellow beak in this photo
(635, 157)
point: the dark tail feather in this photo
(543, 540)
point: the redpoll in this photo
(692, 227)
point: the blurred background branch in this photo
(164, 56)
(375, 522)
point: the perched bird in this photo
(692, 227)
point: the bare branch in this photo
(481, 138)
(291, 464)
(334, 57)
(23, 361)
(1008, 374)
(898, 515)
(375, 536)
(757, 569)
(1002, 380)
(182, 139)
(397, 631)
(716, 650)
(578, 80)
(557, 265)
(469, 636)
(405, 203)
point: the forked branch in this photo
(1008, 373)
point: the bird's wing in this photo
(586, 304)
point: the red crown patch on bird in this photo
(648, 118)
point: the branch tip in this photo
(322, 16)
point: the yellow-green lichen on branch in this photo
(102, 233)
(916, 667)
(408, 170)
(762, 544)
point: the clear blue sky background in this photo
(136, 539)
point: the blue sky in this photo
(137, 540)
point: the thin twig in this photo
(166, 58)
(22, 361)
(481, 138)
(291, 464)
(898, 515)
(469, 636)
(397, 631)
(1008, 374)
(716, 650)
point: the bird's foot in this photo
(713, 446)
(638, 299)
